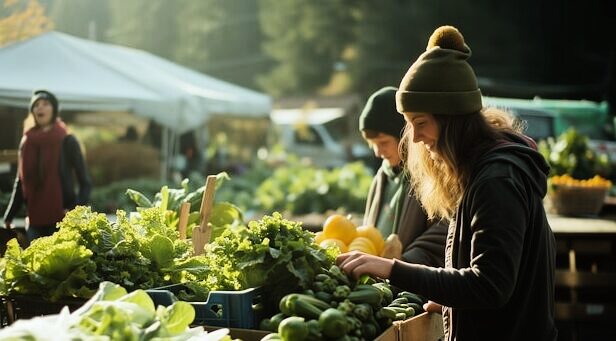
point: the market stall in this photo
(92, 76)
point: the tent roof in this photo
(313, 116)
(91, 76)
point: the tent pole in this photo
(164, 153)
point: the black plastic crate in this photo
(28, 306)
(232, 309)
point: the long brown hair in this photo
(463, 139)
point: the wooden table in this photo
(8, 155)
(585, 276)
(583, 227)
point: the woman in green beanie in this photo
(391, 206)
(471, 165)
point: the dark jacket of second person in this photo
(423, 241)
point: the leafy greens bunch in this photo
(170, 200)
(271, 252)
(88, 249)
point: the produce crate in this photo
(16, 307)
(232, 309)
(576, 201)
(28, 306)
(423, 327)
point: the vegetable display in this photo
(296, 188)
(336, 307)
(114, 314)
(271, 252)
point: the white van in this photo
(324, 136)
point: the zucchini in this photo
(313, 300)
(367, 294)
(409, 312)
(417, 307)
(388, 295)
(412, 298)
(400, 300)
(302, 305)
(293, 328)
(387, 313)
(323, 296)
(333, 323)
(304, 309)
(400, 317)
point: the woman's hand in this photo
(357, 263)
(433, 307)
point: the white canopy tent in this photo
(92, 76)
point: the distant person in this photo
(192, 154)
(130, 135)
(48, 157)
(391, 205)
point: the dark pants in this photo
(34, 232)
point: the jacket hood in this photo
(521, 151)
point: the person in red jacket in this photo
(470, 164)
(48, 157)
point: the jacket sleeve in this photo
(429, 247)
(499, 211)
(17, 200)
(79, 166)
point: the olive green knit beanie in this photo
(441, 81)
(380, 113)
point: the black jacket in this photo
(500, 254)
(71, 164)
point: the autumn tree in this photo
(22, 19)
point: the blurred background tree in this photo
(22, 19)
(525, 48)
(222, 39)
(306, 39)
(85, 19)
(149, 25)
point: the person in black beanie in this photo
(473, 165)
(391, 206)
(49, 159)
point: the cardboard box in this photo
(242, 334)
(423, 327)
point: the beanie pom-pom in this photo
(447, 37)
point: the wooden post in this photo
(201, 235)
(184, 212)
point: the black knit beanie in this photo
(380, 113)
(441, 81)
(44, 94)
